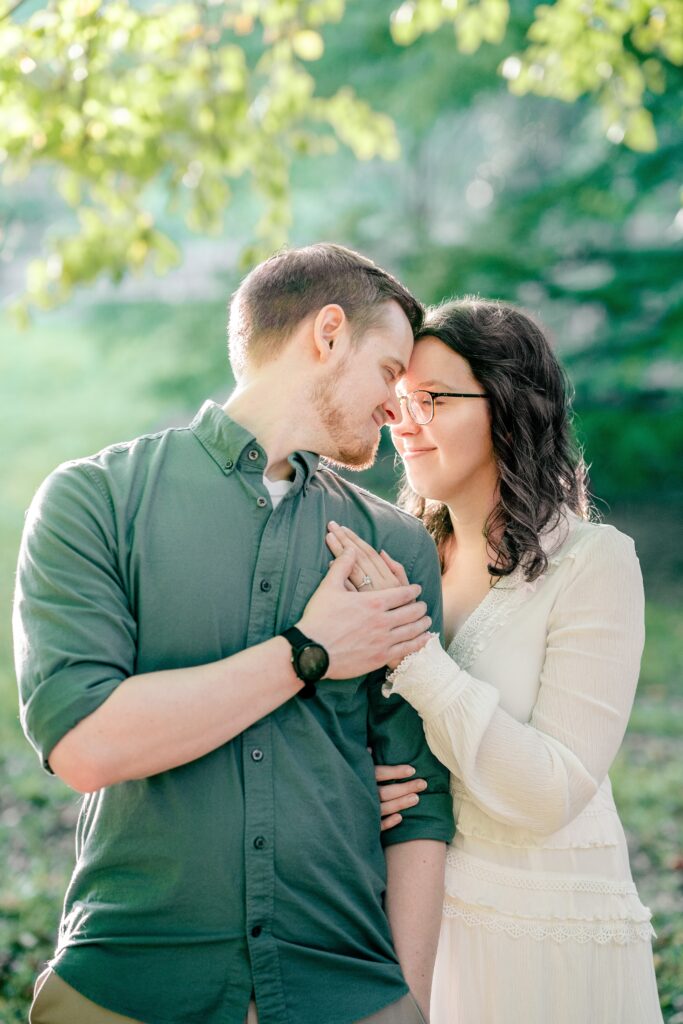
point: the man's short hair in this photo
(295, 283)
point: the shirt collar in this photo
(225, 440)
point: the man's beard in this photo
(350, 451)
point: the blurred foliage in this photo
(186, 98)
(617, 50)
(153, 130)
(119, 98)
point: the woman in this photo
(528, 703)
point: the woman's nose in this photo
(404, 423)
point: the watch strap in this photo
(296, 638)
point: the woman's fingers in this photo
(398, 790)
(334, 544)
(379, 567)
(368, 564)
(368, 553)
(337, 549)
(396, 567)
(391, 772)
(397, 796)
(390, 822)
(399, 804)
(360, 570)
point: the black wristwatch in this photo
(310, 660)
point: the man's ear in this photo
(329, 326)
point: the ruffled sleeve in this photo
(540, 774)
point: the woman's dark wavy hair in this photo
(542, 472)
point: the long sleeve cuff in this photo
(429, 679)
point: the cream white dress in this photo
(542, 922)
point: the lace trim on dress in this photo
(536, 883)
(428, 678)
(507, 594)
(602, 932)
(488, 617)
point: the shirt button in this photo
(266, 585)
(256, 930)
(261, 502)
(257, 755)
(259, 843)
(253, 455)
(228, 464)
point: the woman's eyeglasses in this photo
(420, 404)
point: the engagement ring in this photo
(365, 582)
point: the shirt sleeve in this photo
(74, 633)
(539, 775)
(396, 734)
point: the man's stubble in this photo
(349, 449)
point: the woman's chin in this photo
(423, 485)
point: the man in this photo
(229, 859)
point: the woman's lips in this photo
(414, 453)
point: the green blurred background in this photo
(520, 197)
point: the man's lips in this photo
(379, 419)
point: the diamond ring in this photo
(365, 582)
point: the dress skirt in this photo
(486, 975)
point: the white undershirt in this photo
(277, 489)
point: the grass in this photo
(69, 387)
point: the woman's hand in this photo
(395, 796)
(372, 571)
(379, 569)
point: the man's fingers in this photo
(389, 772)
(398, 597)
(411, 630)
(406, 613)
(402, 650)
(341, 568)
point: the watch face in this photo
(312, 663)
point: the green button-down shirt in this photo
(258, 867)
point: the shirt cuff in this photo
(429, 679)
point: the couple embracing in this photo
(276, 690)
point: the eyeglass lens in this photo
(420, 406)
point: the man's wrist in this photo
(310, 659)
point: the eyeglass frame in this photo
(436, 394)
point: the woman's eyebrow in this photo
(433, 384)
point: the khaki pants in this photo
(55, 1002)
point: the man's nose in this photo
(392, 409)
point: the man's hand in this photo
(363, 631)
(375, 570)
